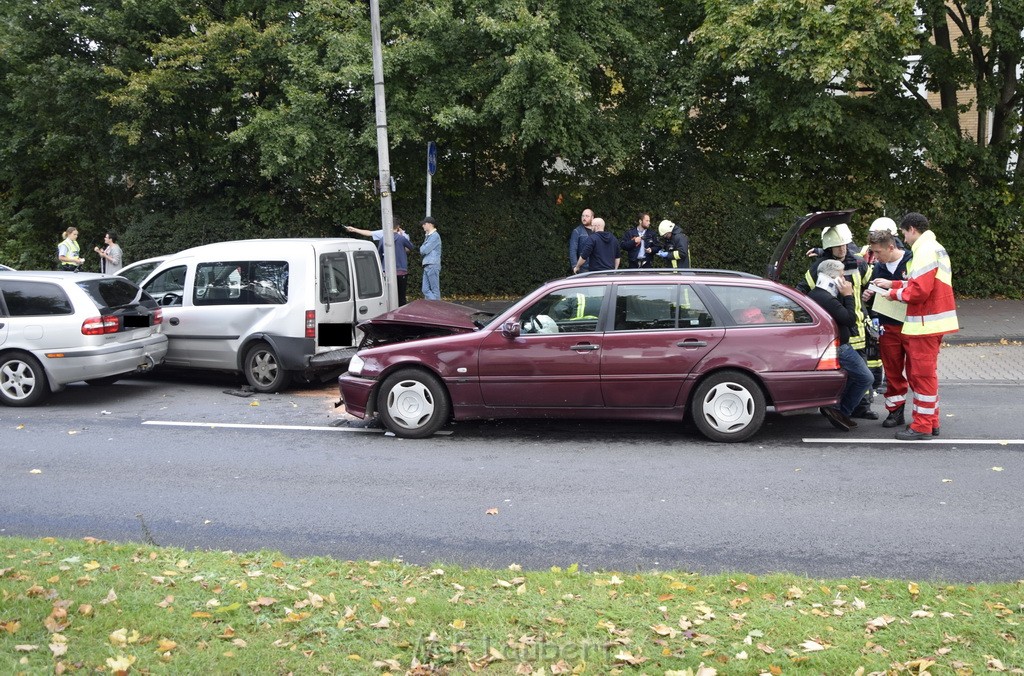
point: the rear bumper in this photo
(804, 389)
(356, 394)
(107, 360)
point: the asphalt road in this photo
(800, 497)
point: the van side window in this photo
(335, 286)
(241, 283)
(35, 299)
(369, 283)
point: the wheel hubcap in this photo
(410, 404)
(17, 380)
(728, 407)
(264, 368)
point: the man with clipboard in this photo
(931, 314)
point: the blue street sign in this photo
(431, 158)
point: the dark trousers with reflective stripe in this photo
(923, 377)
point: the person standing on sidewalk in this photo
(890, 263)
(931, 314)
(674, 244)
(600, 252)
(639, 244)
(111, 256)
(578, 238)
(68, 251)
(430, 250)
(403, 247)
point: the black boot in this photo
(895, 418)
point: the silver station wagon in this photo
(63, 327)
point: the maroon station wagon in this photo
(618, 345)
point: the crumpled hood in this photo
(605, 236)
(420, 319)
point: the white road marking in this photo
(300, 428)
(960, 442)
(247, 426)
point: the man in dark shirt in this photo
(834, 293)
(601, 251)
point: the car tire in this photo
(101, 382)
(22, 380)
(413, 404)
(263, 369)
(728, 406)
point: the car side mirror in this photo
(510, 329)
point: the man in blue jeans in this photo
(431, 252)
(834, 293)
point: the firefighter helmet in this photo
(666, 228)
(838, 235)
(883, 223)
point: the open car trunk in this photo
(818, 220)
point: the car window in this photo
(112, 293)
(658, 306)
(572, 310)
(335, 286)
(368, 279)
(35, 299)
(168, 286)
(749, 305)
(241, 283)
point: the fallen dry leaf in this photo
(493, 511)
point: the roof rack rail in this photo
(668, 271)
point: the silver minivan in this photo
(272, 309)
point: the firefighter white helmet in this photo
(837, 235)
(883, 223)
(666, 228)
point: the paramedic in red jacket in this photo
(931, 314)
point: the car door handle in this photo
(362, 310)
(584, 347)
(174, 321)
(690, 342)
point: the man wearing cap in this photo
(833, 292)
(675, 246)
(931, 314)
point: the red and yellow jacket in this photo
(928, 290)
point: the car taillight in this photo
(97, 326)
(830, 358)
(310, 323)
(158, 316)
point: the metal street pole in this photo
(383, 159)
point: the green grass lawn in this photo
(93, 606)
